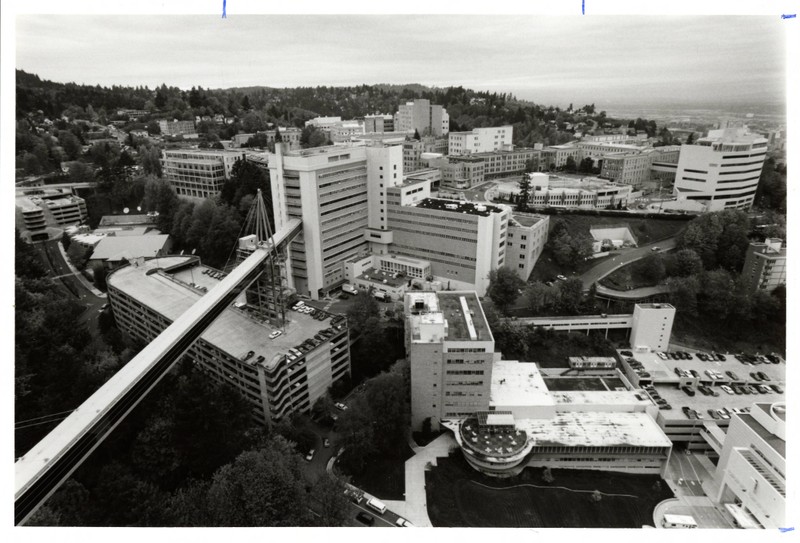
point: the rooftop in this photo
(487, 440)
(517, 384)
(775, 442)
(464, 315)
(380, 277)
(595, 429)
(234, 331)
(456, 206)
(128, 220)
(527, 220)
(119, 248)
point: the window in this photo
(521, 266)
(380, 168)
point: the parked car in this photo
(310, 455)
(365, 518)
(340, 406)
(326, 442)
(275, 334)
(713, 414)
(688, 390)
(727, 389)
(777, 389)
(723, 415)
(732, 375)
(764, 376)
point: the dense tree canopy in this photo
(504, 287)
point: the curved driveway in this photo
(619, 259)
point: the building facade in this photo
(652, 326)
(277, 376)
(480, 140)
(722, 169)
(765, 265)
(329, 189)
(751, 472)
(526, 239)
(451, 349)
(176, 128)
(420, 115)
(378, 123)
(199, 173)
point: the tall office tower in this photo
(327, 188)
(451, 350)
(423, 117)
(722, 169)
(199, 173)
(652, 326)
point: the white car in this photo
(661, 355)
(561, 278)
(310, 455)
(340, 406)
(727, 389)
(275, 334)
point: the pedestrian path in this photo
(416, 506)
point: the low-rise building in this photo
(199, 173)
(40, 208)
(113, 251)
(176, 128)
(480, 140)
(585, 193)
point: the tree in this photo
(547, 476)
(649, 269)
(683, 263)
(690, 139)
(70, 144)
(364, 308)
(331, 502)
(153, 128)
(524, 192)
(570, 165)
(716, 299)
(261, 488)
(151, 162)
(160, 196)
(596, 496)
(259, 139)
(99, 273)
(504, 287)
(80, 172)
(246, 103)
(27, 262)
(542, 299)
(416, 135)
(78, 255)
(586, 165)
(278, 137)
(571, 294)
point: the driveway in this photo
(619, 259)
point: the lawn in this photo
(625, 279)
(459, 496)
(384, 477)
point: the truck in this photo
(377, 505)
(350, 289)
(380, 296)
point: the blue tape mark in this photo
(790, 16)
(223, 8)
(784, 530)
(583, 7)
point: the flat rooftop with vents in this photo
(451, 316)
(454, 206)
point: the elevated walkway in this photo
(51, 461)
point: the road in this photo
(60, 272)
(620, 259)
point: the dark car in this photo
(764, 376)
(721, 357)
(732, 375)
(365, 518)
(713, 414)
(688, 391)
(737, 390)
(777, 389)
(695, 374)
(754, 375)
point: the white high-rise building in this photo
(422, 116)
(652, 326)
(722, 169)
(480, 140)
(451, 350)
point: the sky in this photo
(607, 60)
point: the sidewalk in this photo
(416, 507)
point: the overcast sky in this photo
(609, 60)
